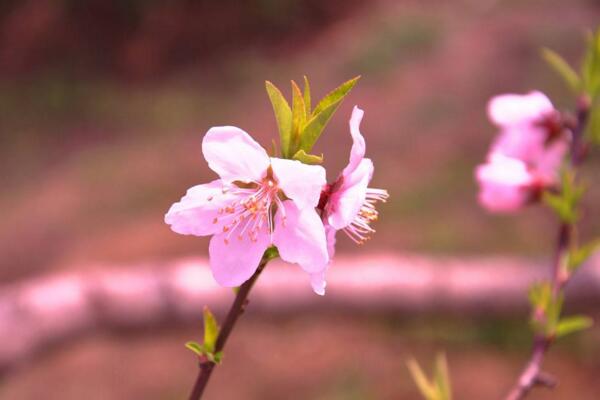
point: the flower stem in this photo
(532, 375)
(237, 309)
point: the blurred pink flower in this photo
(258, 202)
(526, 157)
(349, 204)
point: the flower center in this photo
(253, 212)
(360, 229)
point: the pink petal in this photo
(330, 235)
(346, 202)
(504, 184)
(234, 262)
(513, 109)
(525, 142)
(300, 237)
(357, 153)
(318, 283)
(234, 155)
(549, 163)
(196, 212)
(300, 182)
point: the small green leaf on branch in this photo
(563, 69)
(310, 159)
(211, 331)
(573, 324)
(283, 115)
(439, 387)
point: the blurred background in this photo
(103, 105)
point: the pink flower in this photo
(258, 202)
(526, 157)
(349, 204)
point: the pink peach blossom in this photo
(349, 204)
(526, 156)
(257, 202)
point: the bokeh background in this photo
(103, 105)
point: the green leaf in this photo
(573, 324)
(310, 159)
(307, 104)
(426, 388)
(442, 377)
(196, 347)
(315, 126)
(563, 69)
(283, 115)
(335, 95)
(591, 65)
(579, 255)
(211, 330)
(298, 117)
(592, 129)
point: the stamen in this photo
(359, 229)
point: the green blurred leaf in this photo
(563, 69)
(298, 117)
(283, 115)
(592, 129)
(437, 389)
(335, 95)
(426, 388)
(591, 65)
(211, 330)
(442, 377)
(310, 159)
(579, 255)
(573, 324)
(307, 100)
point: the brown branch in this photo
(237, 309)
(532, 375)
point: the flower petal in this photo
(513, 109)
(345, 203)
(357, 153)
(504, 183)
(234, 155)
(300, 182)
(197, 211)
(300, 237)
(233, 261)
(318, 283)
(549, 163)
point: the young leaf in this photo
(307, 104)
(591, 65)
(310, 159)
(335, 95)
(426, 388)
(196, 347)
(315, 126)
(211, 331)
(578, 256)
(563, 69)
(442, 377)
(283, 115)
(573, 324)
(298, 116)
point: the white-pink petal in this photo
(195, 214)
(318, 283)
(300, 182)
(357, 152)
(505, 183)
(300, 237)
(234, 155)
(232, 260)
(514, 109)
(345, 202)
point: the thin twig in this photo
(237, 309)
(532, 375)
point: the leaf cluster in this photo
(565, 203)
(546, 320)
(211, 333)
(299, 125)
(436, 388)
(584, 83)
